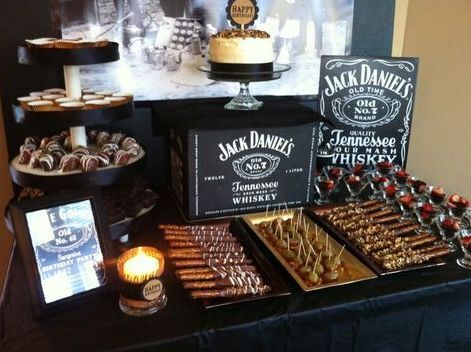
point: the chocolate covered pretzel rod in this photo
(373, 208)
(381, 213)
(191, 263)
(229, 281)
(219, 274)
(399, 224)
(204, 255)
(218, 269)
(367, 203)
(386, 219)
(202, 238)
(407, 229)
(192, 227)
(230, 292)
(221, 246)
(197, 232)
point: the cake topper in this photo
(242, 13)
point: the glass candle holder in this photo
(141, 291)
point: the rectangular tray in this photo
(342, 238)
(355, 269)
(269, 274)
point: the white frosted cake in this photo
(247, 51)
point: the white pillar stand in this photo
(73, 88)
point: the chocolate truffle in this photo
(47, 162)
(102, 138)
(109, 149)
(128, 141)
(89, 163)
(69, 162)
(103, 160)
(116, 138)
(92, 134)
(121, 158)
(34, 160)
(133, 150)
(81, 151)
(25, 156)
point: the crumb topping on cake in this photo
(236, 33)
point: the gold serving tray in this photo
(354, 270)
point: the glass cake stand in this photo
(244, 100)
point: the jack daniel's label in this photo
(370, 101)
(244, 170)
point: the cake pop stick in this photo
(338, 256)
(308, 256)
(266, 213)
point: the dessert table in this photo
(421, 310)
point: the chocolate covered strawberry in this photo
(385, 167)
(418, 186)
(401, 176)
(407, 201)
(390, 191)
(335, 173)
(437, 195)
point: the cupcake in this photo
(66, 100)
(75, 105)
(43, 43)
(105, 93)
(128, 95)
(69, 162)
(25, 100)
(87, 97)
(97, 102)
(37, 94)
(54, 91)
(40, 105)
(52, 97)
(89, 163)
(88, 91)
(66, 44)
(116, 100)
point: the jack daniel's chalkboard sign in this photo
(370, 101)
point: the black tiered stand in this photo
(71, 59)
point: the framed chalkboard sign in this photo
(370, 101)
(62, 240)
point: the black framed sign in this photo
(63, 242)
(370, 101)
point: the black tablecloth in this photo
(424, 310)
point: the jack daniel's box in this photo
(231, 162)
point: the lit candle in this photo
(140, 264)
(141, 291)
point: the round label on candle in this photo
(152, 290)
(242, 12)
